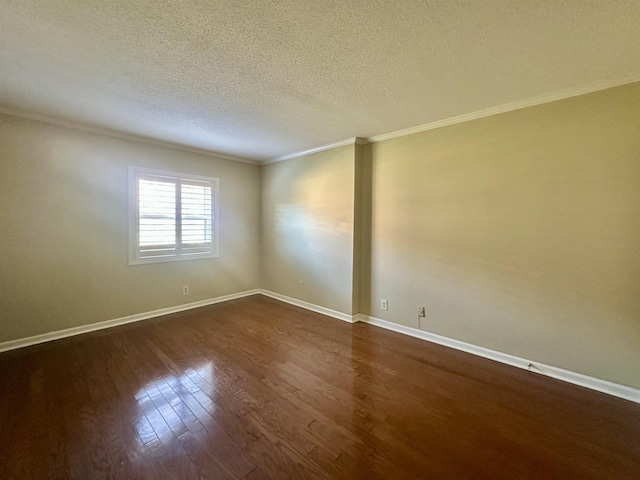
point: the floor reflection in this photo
(363, 376)
(164, 403)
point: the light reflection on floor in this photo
(164, 403)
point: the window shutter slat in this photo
(156, 215)
(174, 216)
(196, 215)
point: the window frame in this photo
(135, 173)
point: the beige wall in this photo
(307, 228)
(63, 214)
(519, 232)
(362, 230)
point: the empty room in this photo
(337, 240)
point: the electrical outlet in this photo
(185, 290)
(384, 305)
(300, 283)
(421, 312)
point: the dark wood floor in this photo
(255, 388)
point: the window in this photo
(172, 216)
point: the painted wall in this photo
(63, 214)
(308, 228)
(518, 232)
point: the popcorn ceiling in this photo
(264, 79)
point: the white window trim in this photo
(134, 259)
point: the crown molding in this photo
(50, 119)
(467, 117)
(328, 146)
(509, 107)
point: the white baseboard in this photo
(68, 332)
(603, 386)
(310, 306)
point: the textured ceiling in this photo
(260, 79)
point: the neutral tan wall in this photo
(63, 245)
(362, 230)
(519, 232)
(307, 228)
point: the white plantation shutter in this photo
(172, 216)
(196, 215)
(156, 215)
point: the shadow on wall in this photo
(308, 224)
(519, 236)
(300, 228)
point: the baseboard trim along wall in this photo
(604, 386)
(592, 383)
(69, 332)
(309, 306)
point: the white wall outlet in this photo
(421, 312)
(300, 283)
(185, 290)
(384, 305)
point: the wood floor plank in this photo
(255, 388)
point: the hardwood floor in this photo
(255, 388)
